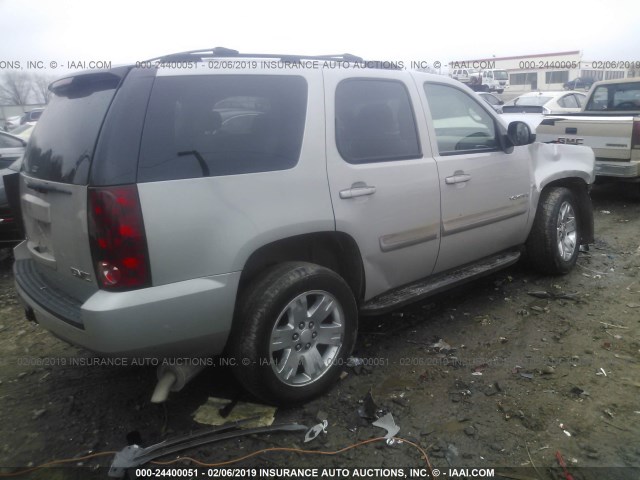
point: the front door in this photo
(485, 191)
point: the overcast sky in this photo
(444, 30)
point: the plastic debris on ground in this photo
(209, 413)
(316, 430)
(388, 423)
(368, 410)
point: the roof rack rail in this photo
(217, 52)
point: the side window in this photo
(375, 121)
(568, 101)
(599, 99)
(214, 125)
(462, 125)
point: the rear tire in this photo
(553, 244)
(295, 327)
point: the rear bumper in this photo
(619, 169)
(188, 319)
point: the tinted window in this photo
(531, 100)
(616, 96)
(201, 126)
(460, 122)
(61, 148)
(375, 121)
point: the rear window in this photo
(615, 96)
(200, 126)
(61, 148)
(536, 101)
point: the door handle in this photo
(458, 177)
(359, 189)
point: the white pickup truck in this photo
(609, 123)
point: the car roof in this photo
(551, 93)
(618, 80)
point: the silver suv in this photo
(211, 203)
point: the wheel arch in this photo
(336, 251)
(584, 206)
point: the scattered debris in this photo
(605, 212)
(209, 413)
(314, 431)
(564, 429)
(528, 376)
(368, 410)
(611, 325)
(388, 423)
(602, 372)
(134, 455)
(442, 346)
(561, 462)
(554, 296)
(633, 305)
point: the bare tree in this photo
(40, 87)
(15, 87)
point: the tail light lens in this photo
(118, 241)
(635, 135)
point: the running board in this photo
(440, 282)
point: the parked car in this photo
(546, 102)
(495, 102)
(31, 116)
(609, 123)
(154, 232)
(579, 82)
(11, 151)
(11, 122)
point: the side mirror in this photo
(500, 102)
(519, 133)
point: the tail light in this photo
(635, 135)
(118, 241)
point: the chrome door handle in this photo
(358, 189)
(458, 177)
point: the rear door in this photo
(485, 192)
(382, 176)
(53, 189)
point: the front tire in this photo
(296, 326)
(554, 241)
